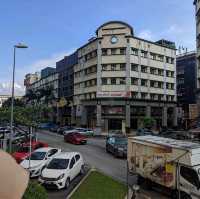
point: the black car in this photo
(117, 145)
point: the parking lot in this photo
(94, 155)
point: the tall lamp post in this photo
(12, 96)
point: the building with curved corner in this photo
(120, 79)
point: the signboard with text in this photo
(114, 94)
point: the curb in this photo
(79, 184)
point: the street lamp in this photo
(12, 96)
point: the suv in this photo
(117, 145)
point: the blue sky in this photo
(53, 29)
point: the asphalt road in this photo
(93, 153)
(95, 156)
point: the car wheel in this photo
(82, 171)
(67, 183)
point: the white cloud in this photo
(146, 34)
(5, 88)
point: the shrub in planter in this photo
(35, 191)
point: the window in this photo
(190, 176)
(122, 51)
(160, 72)
(122, 67)
(152, 83)
(135, 95)
(104, 81)
(160, 58)
(153, 71)
(134, 51)
(113, 51)
(143, 95)
(113, 67)
(134, 67)
(72, 163)
(144, 82)
(134, 81)
(144, 69)
(113, 81)
(144, 54)
(152, 96)
(160, 84)
(153, 56)
(122, 81)
(104, 67)
(104, 51)
(77, 157)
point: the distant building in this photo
(46, 84)
(65, 69)
(186, 82)
(47, 71)
(30, 79)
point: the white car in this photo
(70, 131)
(62, 169)
(38, 160)
(84, 131)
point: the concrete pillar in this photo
(98, 124)
(175, 122)
(148, 111)
(164, 117)
(128, 118)
(84, 116)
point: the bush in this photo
(35, 191)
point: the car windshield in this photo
(24, 149)
(37, 156)
(121, 141)
(58, 164)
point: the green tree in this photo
(148, 122)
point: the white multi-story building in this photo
(120, 79)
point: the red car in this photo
(23, 151)
(75, 138)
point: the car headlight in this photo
(61, 176)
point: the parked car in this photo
(117, 145)
(144, 131)
(86, 132)
(47, 126)
(54, 128)
(75, 138)
(38, 160)
(72, 130)
(64, 128)
(62, 169)
(24, 150)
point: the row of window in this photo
(114, 67)
(90, 55)
(151, 70)
(87, 71)
(135, 51)
(114, 81)
(90, 83)
(113, 51)
(153, 96)
(154, 84)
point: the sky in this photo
(54, 29)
